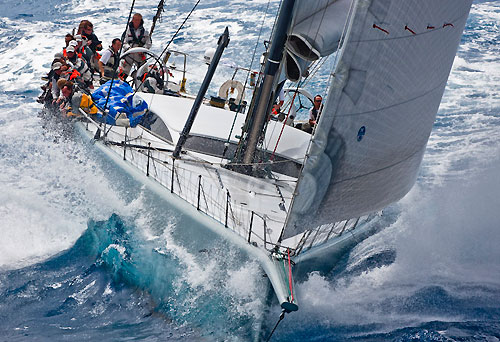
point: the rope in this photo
(119, 53)
(284, 121)
(282, 315)
(316, 34)
(173, 37)
(116, 67)
(258, 81)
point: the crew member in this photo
(109, 60)
(58, 69)
(80, 68)
(152, 81)
(315, 111)
(74, 99)
(86, 30)
(83, 50)
(136, 36)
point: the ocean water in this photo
(87, 254)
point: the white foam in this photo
(50, 190)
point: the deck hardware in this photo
(228, 197)
(251, 224)
(149, 156)
(172, 180)
(199, 192)
(125, 144)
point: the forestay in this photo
(380, 109)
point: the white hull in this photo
(212, 211)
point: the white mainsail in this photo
(380, 109)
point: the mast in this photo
(264, 96)
(223, 41)
(157, 16)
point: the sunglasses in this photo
(318, 100)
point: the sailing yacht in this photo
(293, 201)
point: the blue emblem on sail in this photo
(361, 133)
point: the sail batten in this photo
(380, 109)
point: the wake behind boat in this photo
(293, 200)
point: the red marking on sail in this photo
(381, 29)
(429, 27)
(448, 24)
(409, 29)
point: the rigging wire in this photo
(248, 76)
(105, 113)
(285, 120)
(119, 53)
(282, 315)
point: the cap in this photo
(78, 38)
(72, 43)
(56, 66)
(58, 55)
(70, 48)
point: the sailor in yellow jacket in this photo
(75, 99)
(83, 101)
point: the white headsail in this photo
(380, 109)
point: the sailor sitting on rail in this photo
(58, 70)
(74, 99)
(50, 90)
(136, 36)
(67, 39)
(86, 30)
(83, 50)
(109, 61)
(79, 66)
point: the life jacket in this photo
(113, 60)
(54, 76)
(81, 67)
(94, 39)
(314, 113)
(137, 40)
(86, 53)
(111, 64)
(74, 74)
(83, 101)
(65, 54)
